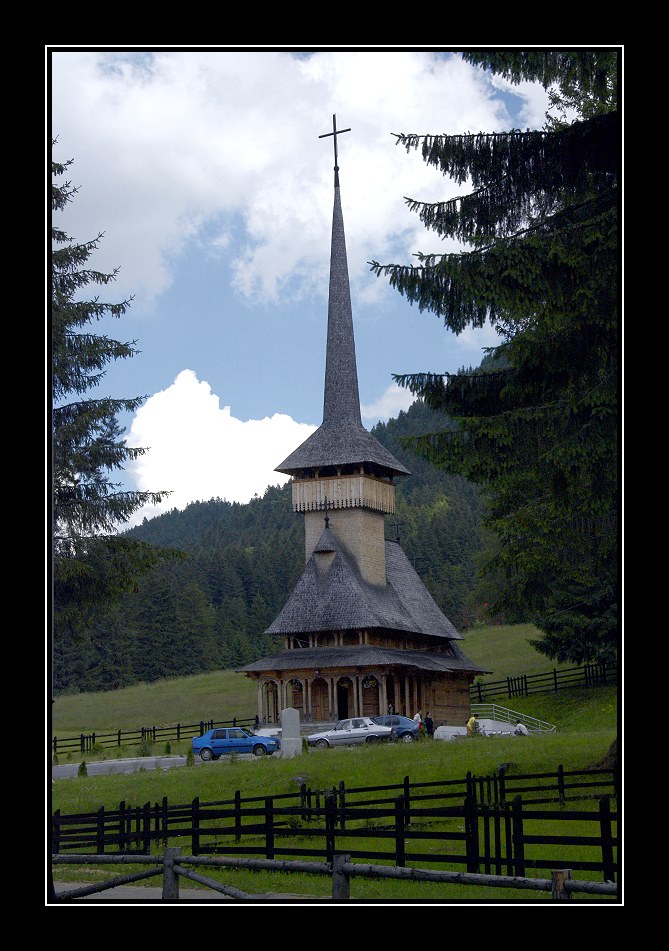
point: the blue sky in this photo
(205, 171)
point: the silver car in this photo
(351, 732)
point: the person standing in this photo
(429, 724)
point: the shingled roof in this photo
(332, 595)
(341, 439)
(367, 655)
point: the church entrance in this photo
(344, 707)
(319, 700)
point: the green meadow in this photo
(586, 721)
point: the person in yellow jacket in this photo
(473, 725)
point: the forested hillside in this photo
(208, 610)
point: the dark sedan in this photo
(403, 728)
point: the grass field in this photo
(586, 721)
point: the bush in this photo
(168, 748)
(82, 771)
(190, 759)
(145, 747)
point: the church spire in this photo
(341, 403)
(341, 439)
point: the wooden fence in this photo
(490, 826)
(85, 742)
(590, 675)
(173, 866)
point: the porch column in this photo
(407, 696)
(260, 713)
(330, 682)
(381, 692)
(415, 694)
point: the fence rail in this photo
(589, 675)
(173, 865)
(472, 822)
(84, 742)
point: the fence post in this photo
(118, 738)
(560, 772)
(508, 840)
(330, 820)
(164, 821)
(146, 828)
(82, 743)
(555, 680)
(400, 819)
(238, 816)
(518, 841)
(480, 692)
(100, 831)
(342, 805)
(121, 826)
(558, 878)
(407, 802)
(303, 800)
(501, 783)
(471, 827)
(607, 839)
(341, 880)
(202, 729)
(170, 877)
(508, 687)
(55, 744)
(55, 833)
(525, 688)
(486, 814)
(195, 826)
(269, 828)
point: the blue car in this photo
(404, 729)
(235, 739)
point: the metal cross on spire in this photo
(335, 132)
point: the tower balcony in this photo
(343, 492)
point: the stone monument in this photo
(291, 738)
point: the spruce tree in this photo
(91, 562)
(536, 425)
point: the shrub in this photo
(145, 747)
(168, 748)
(190, 759)
(82, 771)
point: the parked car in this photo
(405, 728)
(350, 732)
(236, 739)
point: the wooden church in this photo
(361, 633)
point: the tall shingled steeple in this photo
(341, 440)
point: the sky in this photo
(205, 171)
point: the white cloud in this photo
(170, 147)
(390, 404)
(200, 451)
